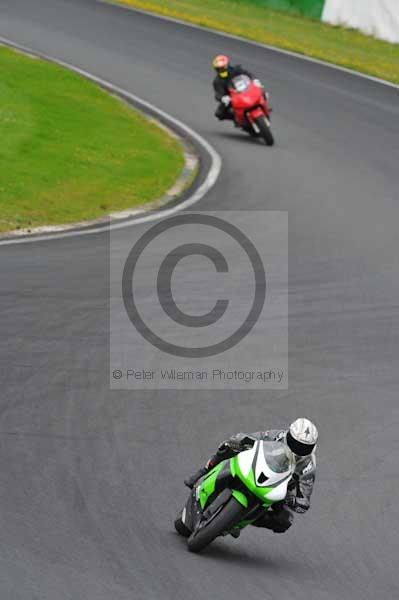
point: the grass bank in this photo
(70, 151)
(248, 18)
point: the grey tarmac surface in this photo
(90, 480)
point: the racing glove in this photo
(236, 443)
(233, 445)
(191, 481)
(226, 100)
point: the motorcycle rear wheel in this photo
(265, 131)
(229, 515)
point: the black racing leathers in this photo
(221, 88)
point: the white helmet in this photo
(302, 437)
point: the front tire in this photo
(223, 521)
(181, 528)
(265, 130)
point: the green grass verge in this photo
(248, 18)
(70, 152)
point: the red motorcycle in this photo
(251, 111)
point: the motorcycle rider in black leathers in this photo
(301, 438)
(224, 74)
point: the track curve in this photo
(79, 464)
(208, 161)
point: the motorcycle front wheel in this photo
(181, 528)
(229, 515)
(265, 130)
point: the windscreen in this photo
(241, 83)
(277, 456)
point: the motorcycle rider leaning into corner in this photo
(301, 439)
(225, 72)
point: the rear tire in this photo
(229, 515)
(265, 131)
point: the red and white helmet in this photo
(221, 64)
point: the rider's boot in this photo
(235, 533)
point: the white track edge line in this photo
(253, 43)
(200, 192)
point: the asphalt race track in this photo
(90, 480)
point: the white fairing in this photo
(245, 460)
(262, 467)
(266, 475)
(279, 493)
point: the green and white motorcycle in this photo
(236, 493)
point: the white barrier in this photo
(374, 17)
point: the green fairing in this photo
(207, 486)
(240, 497)
(249, 482)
